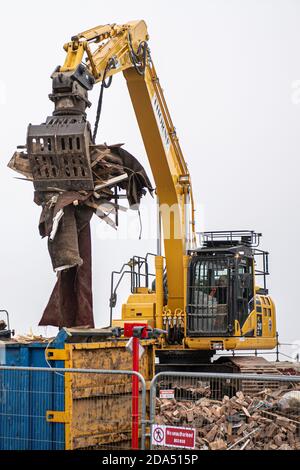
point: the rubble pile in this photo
(266, 421)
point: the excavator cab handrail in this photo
(135, 265)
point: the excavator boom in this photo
(124, 48)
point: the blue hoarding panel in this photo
(26, 396)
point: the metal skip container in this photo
(53, 410)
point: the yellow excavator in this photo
(205, 295)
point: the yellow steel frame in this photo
(66, 415)
(68, 399)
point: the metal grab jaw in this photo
(59, 154)
(58, 149)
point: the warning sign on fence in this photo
(173, 436)
(167, 394)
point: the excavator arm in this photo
(111, 49)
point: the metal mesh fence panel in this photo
(56, 409)
(102, 411)
(225, 412)
(25, 397)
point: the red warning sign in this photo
(173, 436)
(180, 437)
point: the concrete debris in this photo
(241, 422)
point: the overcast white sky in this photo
(228, 68)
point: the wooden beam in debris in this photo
(111, 182)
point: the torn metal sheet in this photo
(19, 162)
(71, 301)
(74, 179)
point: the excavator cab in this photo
(221, 283)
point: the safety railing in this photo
(56, 409)
(140, 275)
(216, 411)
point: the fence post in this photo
(135, 393)
(277, 346)
(152, 402)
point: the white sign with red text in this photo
(166, 394)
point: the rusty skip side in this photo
(100, 406)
